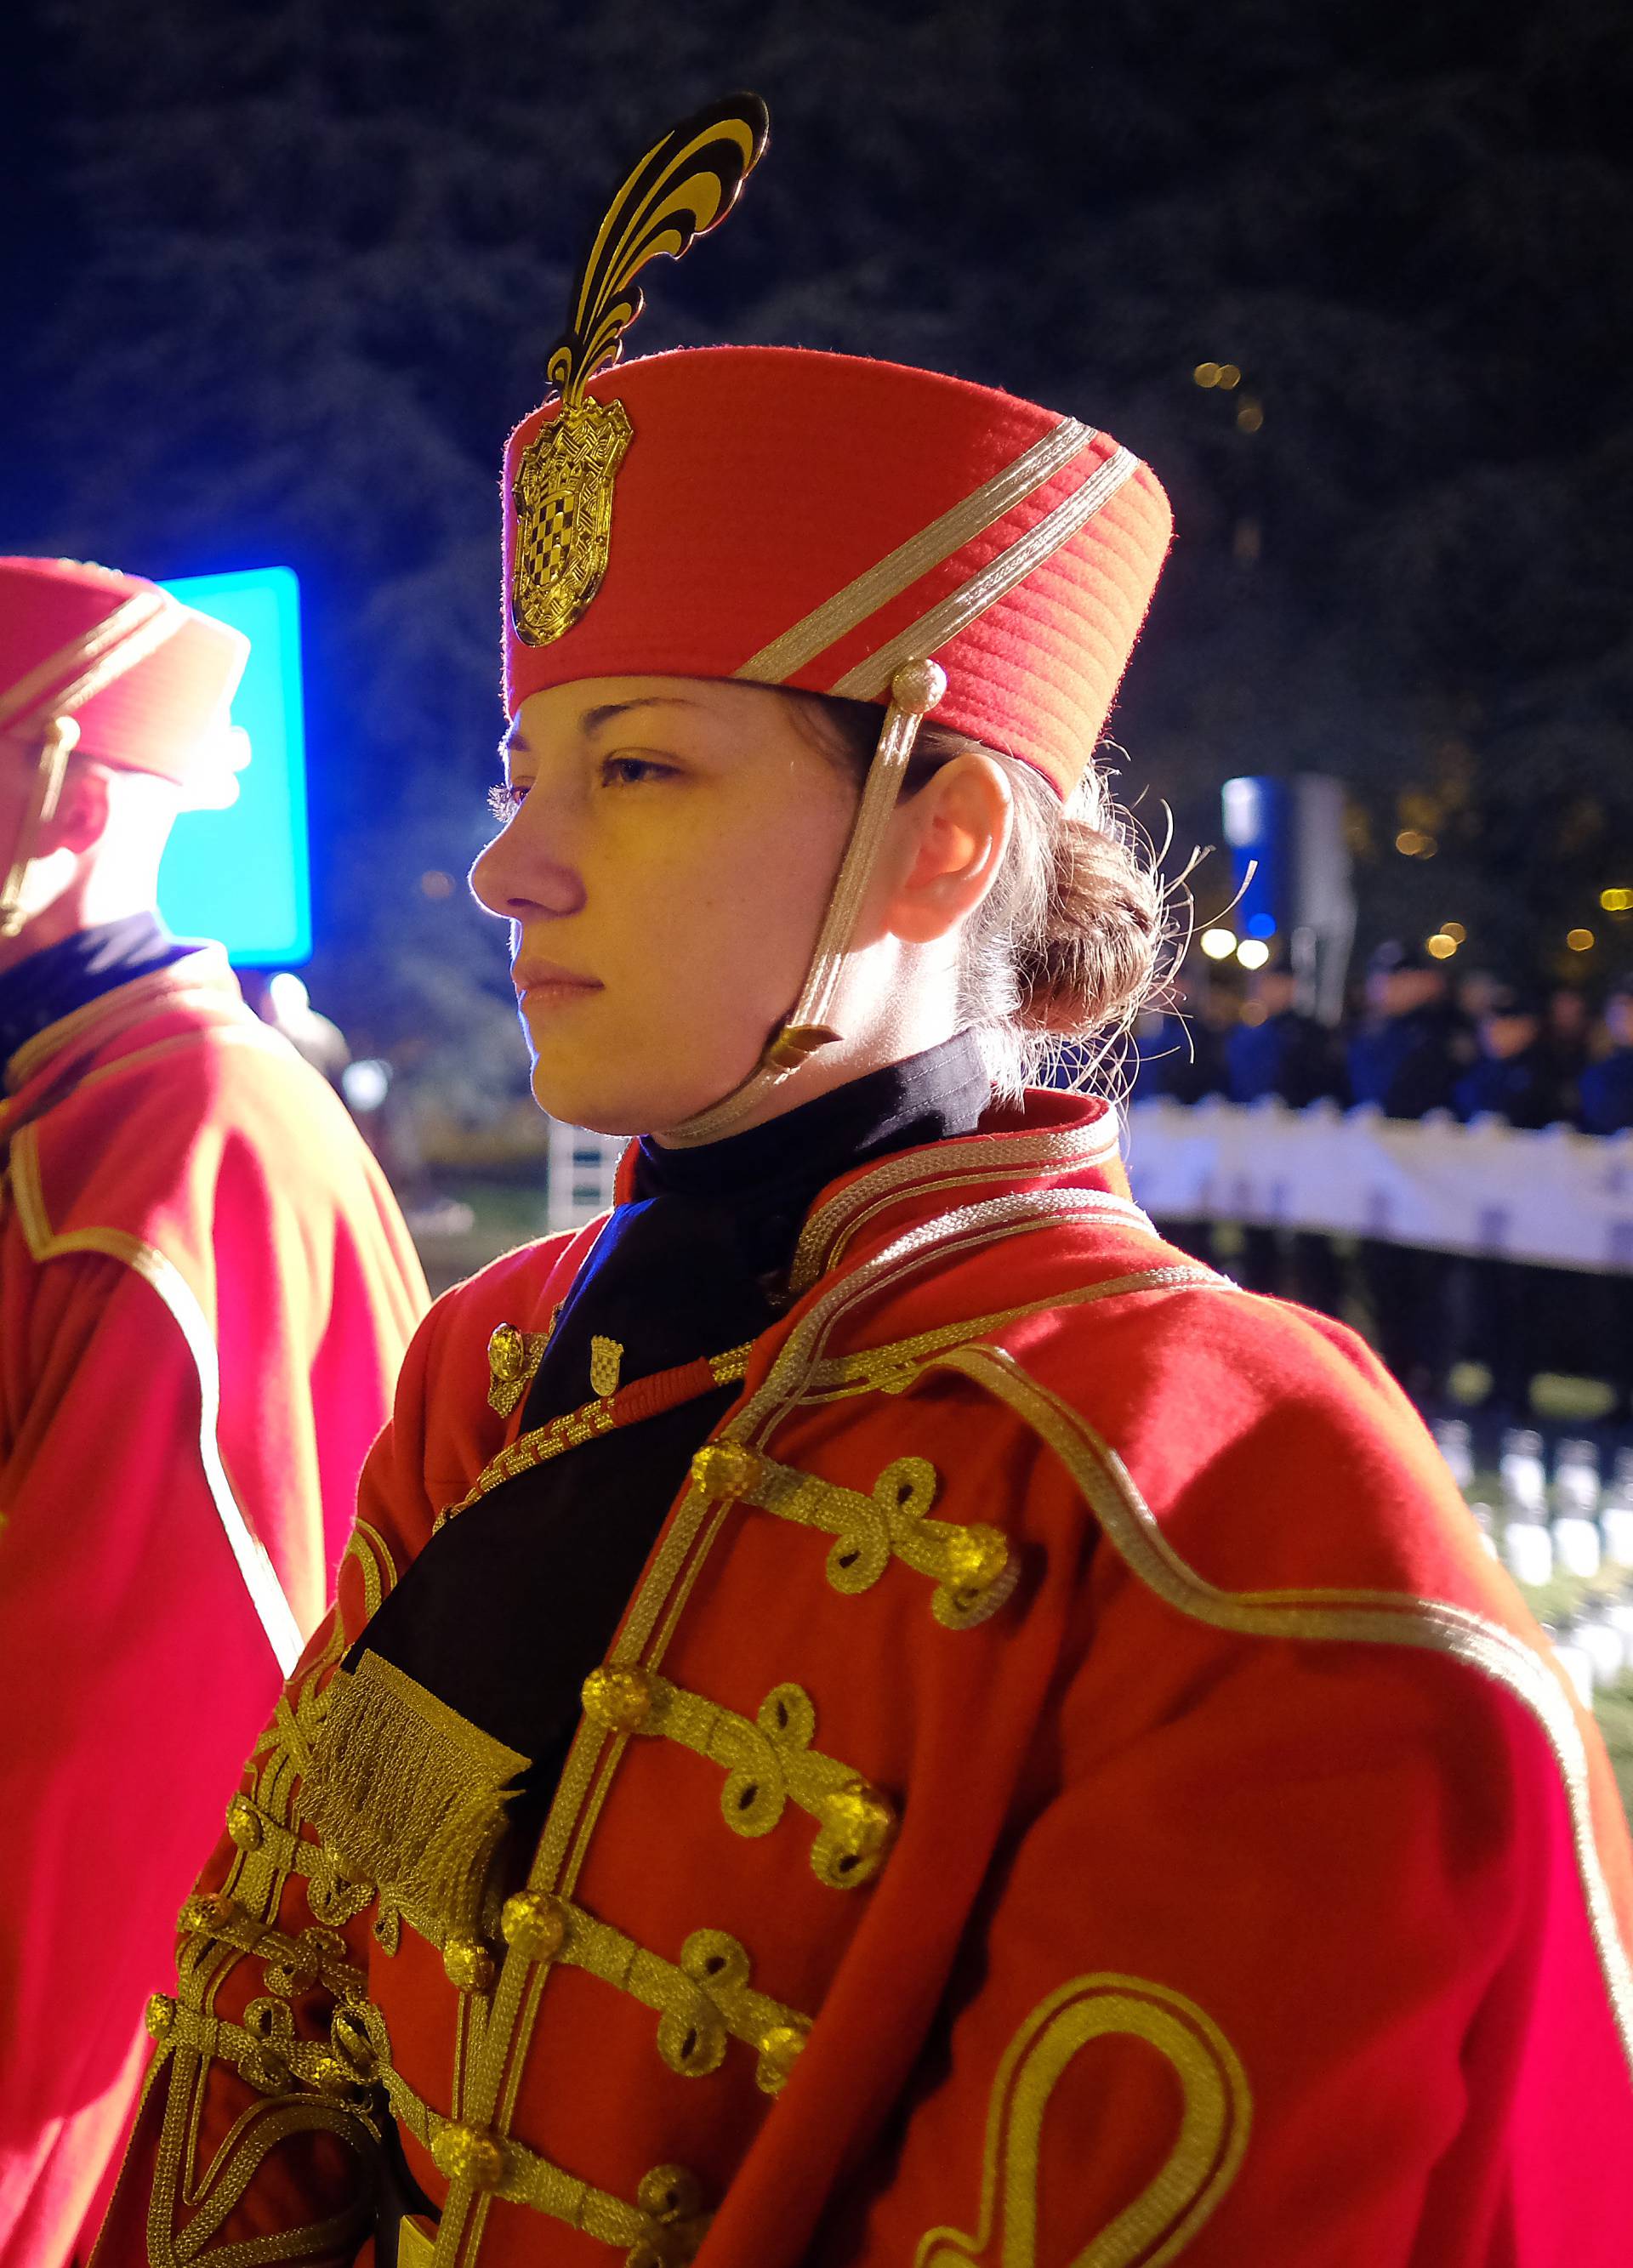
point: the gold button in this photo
(507, 1355)
(725, 1470)
(465, 2153)
(244, 1824)
(159, 2015)
(207, 1909)
(535, 1925)
(976, 1559)
(779, 2050)
(860, 1820)
(466, 1962)
(620, 1700)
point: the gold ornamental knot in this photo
(779, 2050)
(243, 1824)
(725, 1470)
(466, 1962)
(619, 1700)
(207, 1909)
(861, 1822)
(469, 2153)
(976, 1559)
(535, 1925)
(159, 2015)
(677, 2224)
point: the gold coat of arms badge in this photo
(563, 492)
(563, 499)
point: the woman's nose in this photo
(519, 874)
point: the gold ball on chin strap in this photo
(917, 687)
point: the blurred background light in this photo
(364, 1084)
(242, 875)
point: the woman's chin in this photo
(600, 1110)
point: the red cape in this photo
(1071, 1787)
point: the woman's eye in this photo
(504, 803)
(633, 771)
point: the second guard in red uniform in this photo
(205, 1291)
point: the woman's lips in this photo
(543, 986)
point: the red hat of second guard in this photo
(793, 518)
(147, 679)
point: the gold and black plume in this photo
(683, 187)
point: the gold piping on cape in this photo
(826, 624)
(893, 1367)
(955, 612)
(266, 1593)
(1369, 1617)
(976, 1157)
(1215, 2114)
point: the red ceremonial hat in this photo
(148, 681)
(792, 518)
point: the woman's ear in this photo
(80, 820)
(957, 829)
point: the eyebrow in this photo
(594, 720)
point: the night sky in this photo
(286, 274)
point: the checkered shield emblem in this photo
(563, 504)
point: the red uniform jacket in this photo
(1070, 1788)
(205, 1291)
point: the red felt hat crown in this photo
(813, 519)
(148, 681)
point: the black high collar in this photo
(51, 984)
(697, 1261)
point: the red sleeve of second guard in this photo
(135, 1669)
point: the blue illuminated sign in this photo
(242, 875)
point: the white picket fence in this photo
(1558, 1198)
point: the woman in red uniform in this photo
(876, 1715)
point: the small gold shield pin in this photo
(562, 495)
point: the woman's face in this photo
(668, 849)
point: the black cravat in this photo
(511, 1604)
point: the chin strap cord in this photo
(915, 689)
